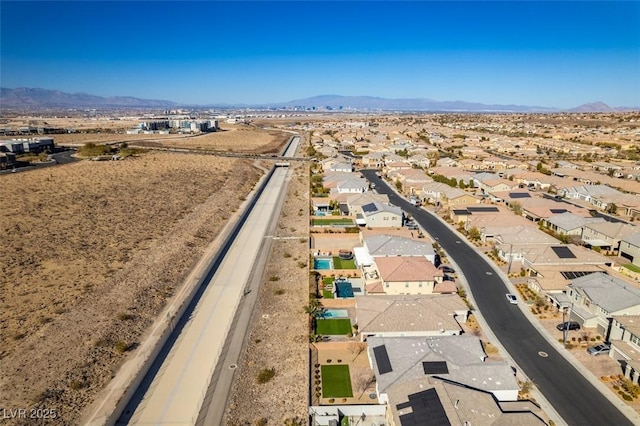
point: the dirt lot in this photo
(231, 137)
(90, 252)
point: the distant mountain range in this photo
(406, 104)
(24, 97)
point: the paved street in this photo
(575, 399)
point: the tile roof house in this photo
(490, 219)
(538, 208)
(607, 235)
(513, 242)
(411, 275)
(600, 196)
(471, 164)
(452, 173)
(447, 162)
(457, 198)
(541, 257)
(396, 166)
(553, 280)
(412, 180)
(419, 160)
(423, 315)
(568, 223)
(434, 401)
(497, 185)
(373, 160)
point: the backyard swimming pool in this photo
(323, 263)
(333, 313)
(343, 289)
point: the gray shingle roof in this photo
(569, 221)
(389, 245)
(633, 239)
(610, 293)
(463, 354)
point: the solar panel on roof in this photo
(519, 195)
(425, 410)
(435, 367)
(382, 359)
(371, 207)
(571, 275)
(461, 212)
(482, 209)
(563, 252)
(558, 210)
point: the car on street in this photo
(512, 298)
(447, 269)
(568, 325)
(600, 349)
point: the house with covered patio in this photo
(410, 315)
(597, 297)
(409, 275)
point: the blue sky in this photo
(544, 53)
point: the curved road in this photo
(573, 397)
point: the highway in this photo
(573, 397)
(175, 388)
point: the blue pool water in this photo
(344, 289)
(333, 313)
(322, 263)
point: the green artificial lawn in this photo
(328, 222)
(327, 294)
(328, 280)
(343, 264)
(333, 327)
(632, 267)
(336, 382)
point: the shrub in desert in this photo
(121, 346)
(265, 375)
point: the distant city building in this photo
(23, 146)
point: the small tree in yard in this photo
(363, 381)
(474, 234)
(517, 208)
(356, 348)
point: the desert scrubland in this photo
(91, 251)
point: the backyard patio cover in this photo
(597, 243)
(363, 258)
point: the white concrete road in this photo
(177, 391)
